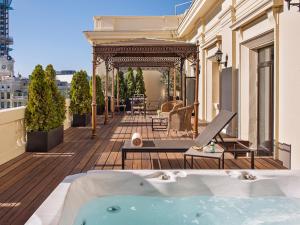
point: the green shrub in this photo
(99, 91)
(40, 111)
(80, 94)
(122, 86)
(58, 100)
(130, 80)
(139, 81)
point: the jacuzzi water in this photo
(206, 210)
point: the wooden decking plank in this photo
(31, 167)
(274, 163)
(55, 176)
(31, 182)
(15, 193)
(108, 131)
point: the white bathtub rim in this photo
(50, 211)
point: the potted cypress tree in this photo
(45, 111)
(80, 105)
(122, 88)
(139, 82)
(99, 95)
(130, 82)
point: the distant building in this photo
(6, 61)
(6, 66)
(63, 87)
(13, 92)
(65, 75)
(64, 79)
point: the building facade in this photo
(261, 77)
(63, 80)
(13, 92)
(258, 39)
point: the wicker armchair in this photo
(180, 119)
(171, 105)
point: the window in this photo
(15, 105)
(8, 87)
(19, 104)
(2, 95)
(2, 105)
(8, 105)
(8, 95)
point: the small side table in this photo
(159, 123)
(218, 154)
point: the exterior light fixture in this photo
(291, 3)
(219, 55)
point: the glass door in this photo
(265, 99)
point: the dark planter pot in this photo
(100, 109)
(109, 103)
(128, 104)
(81, 120)
(42, 141)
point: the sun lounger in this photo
(211, 132)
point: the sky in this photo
(51, 31)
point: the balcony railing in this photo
(13, 133)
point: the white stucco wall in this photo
(154, 89)
(289, 85)
(12, 133)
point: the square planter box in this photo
(81, 120)
(41, 141)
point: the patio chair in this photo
(180, 119)
(211, 132)
(167, 107)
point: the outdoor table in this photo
(159, 123)
(178, 146)
(218, 154)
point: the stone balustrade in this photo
(13, 133)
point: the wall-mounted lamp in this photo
(219, 55)
(291, 3)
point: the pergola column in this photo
(174, 84)
(169, 84)
(184, 93)
(118, 89)
(94, 102)
(181, 78)
(106, 94)
(196, 104)
(112, 102)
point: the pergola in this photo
(143, 52)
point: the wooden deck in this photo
(26, 181)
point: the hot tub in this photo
(175, 197)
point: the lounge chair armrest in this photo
(245, 146)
